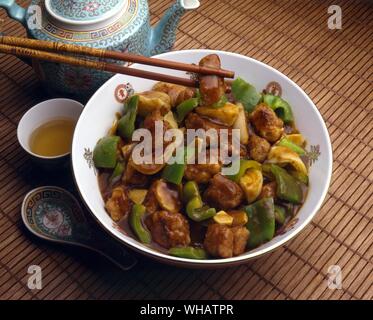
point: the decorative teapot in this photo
(121, 25)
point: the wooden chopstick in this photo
(94, 64)
(107, 54)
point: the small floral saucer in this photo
(53, 214)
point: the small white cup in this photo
(40, 114)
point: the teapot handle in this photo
(14, 11)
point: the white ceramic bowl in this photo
(98, 116)
(40, 114)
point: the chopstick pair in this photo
(46, 50)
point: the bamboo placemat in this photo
(334, 67)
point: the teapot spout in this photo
(14, 10)
(163, 35)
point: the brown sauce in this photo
(197, 230)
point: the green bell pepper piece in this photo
(261, 222)
(135, 220)
(185, 107)
(300, 176)
(280, 214)
(267, 172)
(288, 188)
(197, 212)
(245, 93)
(188, 252)
(190, 191)
(280, 106)
(174, 173)
(292, 146)
(118, 170)
(290, 209)
(105, 153)
(126, 124)
(198, 96)
(194, 207)
(245, 165)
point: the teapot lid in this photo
(83, 11)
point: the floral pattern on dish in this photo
(81, 10)
(52, 212)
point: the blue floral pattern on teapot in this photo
(121, 25)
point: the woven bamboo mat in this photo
(334, 67)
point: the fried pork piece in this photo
(151, 203)
(150, 123)
(223, 193)
(224, 242)
(169, 229)
(266, 123)
(177, 93)
(219, 241)
(268, 190)
(202, 173)
(258, 148)
(151, 119)
(118, 205)
(195, 121)
(211, 87)
(153, 167)
(243, 151)
(240, 237)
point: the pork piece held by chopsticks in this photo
(212, 88)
